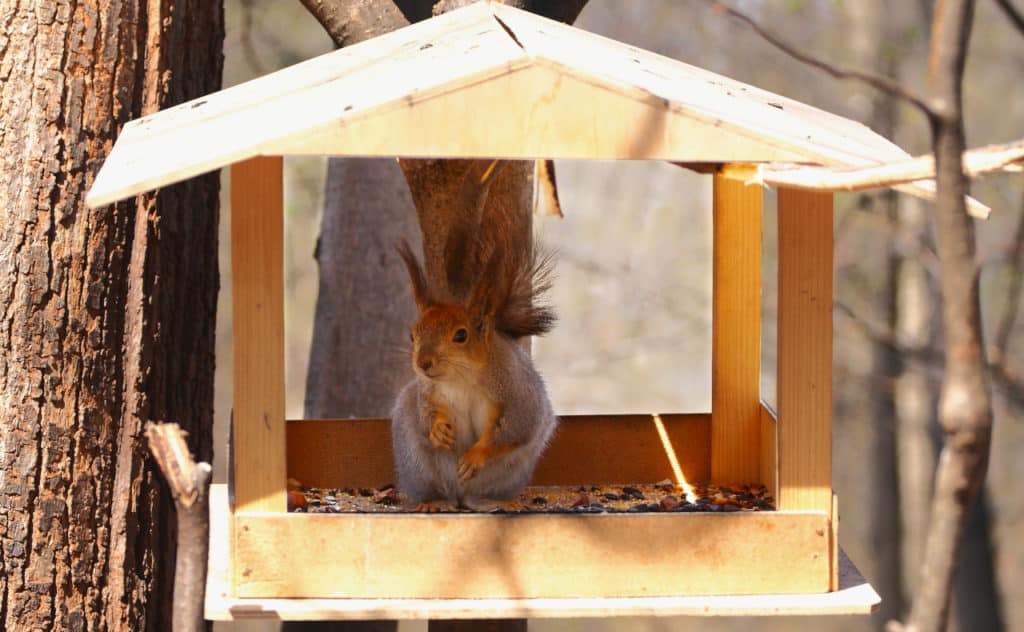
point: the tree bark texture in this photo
(108, 313)
(965, 410)
(358, 358)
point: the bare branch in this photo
(965, 407)
(352, 21)
(190, 483)
(879, 82)
(976, 162)
(1008, 378)
(1012, 13)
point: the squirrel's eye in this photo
(460, 335)
(411, 337)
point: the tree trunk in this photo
(357, 360)
(109, 313)
(965, 409)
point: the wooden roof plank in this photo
(245, 120)
(699, 91)
(460, 85)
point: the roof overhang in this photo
(486, 81)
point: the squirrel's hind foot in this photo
(436, 506)
(484, 505)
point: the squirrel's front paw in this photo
(442, 433)
(472, 461)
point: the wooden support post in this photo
(805, 351)
(257, 279)
(736, 333)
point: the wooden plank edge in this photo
(769, 450)
(833, 545)
(855, 596)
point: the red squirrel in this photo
(472, 424)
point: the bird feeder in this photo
(492, 81)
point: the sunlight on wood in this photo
(670, 452)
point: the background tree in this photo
(108, 313)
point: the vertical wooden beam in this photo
(805, 350)
(736, 333)
(257, 280)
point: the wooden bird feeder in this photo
(491, 81)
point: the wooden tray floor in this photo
(855, 596)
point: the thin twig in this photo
(1013, 14)
(1008, 377)
(880, 82)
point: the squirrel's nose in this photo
(425, 363)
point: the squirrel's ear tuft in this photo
(416, 276)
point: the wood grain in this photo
(855, 596)
(736, 333)
(485, 556)
(257, 283)
(805, 350)
(586, 449)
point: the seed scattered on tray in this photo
(661, 497)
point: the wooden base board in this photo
(855, 596)
(486, 556)
(586, 449)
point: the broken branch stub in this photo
(190, 484)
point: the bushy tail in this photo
(511, 288)
(524, 313)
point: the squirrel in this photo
(472, 424)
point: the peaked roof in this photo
(485, 81)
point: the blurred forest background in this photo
(634, 279)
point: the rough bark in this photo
(965, 410)
(109, 313)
